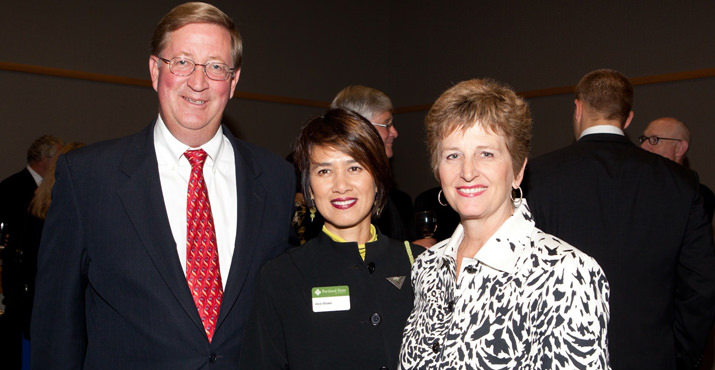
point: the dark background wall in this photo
(412, 50)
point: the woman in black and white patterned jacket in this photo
(500, 293)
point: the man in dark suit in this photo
(137, 269)
(16, 192)
(642, 218)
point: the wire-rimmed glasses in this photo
(181, 66)
(387, 126)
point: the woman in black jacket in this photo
(341, 300)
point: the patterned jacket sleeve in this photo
(578, 334)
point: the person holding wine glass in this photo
(340, 301)
(500, 293)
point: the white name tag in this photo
(331, 298)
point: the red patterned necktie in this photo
(202, 268)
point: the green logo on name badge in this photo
(330, 291)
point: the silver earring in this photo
(517, 202)
(439, 198)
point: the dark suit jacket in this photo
(397, 219)
(111, 293)
(642, 218)
(16, 192)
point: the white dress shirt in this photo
(602, 129)
(35, 176)
(220, 177)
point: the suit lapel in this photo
(142, 198)
(250, 209)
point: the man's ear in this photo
(628, 120)
(234, 81)
(154, 71)
(680, 149)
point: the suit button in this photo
(471, 269)
(371, 267)
(383, 368)
(212, 357)
(375, 319)
(435, 347)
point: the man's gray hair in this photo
(364, 100)
(45, 146)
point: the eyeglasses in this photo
(387, 126)
(653, 140)
(184, 67)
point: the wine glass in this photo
(426, 222)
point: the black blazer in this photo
(16, 193)
(285, 333)
(111, 293)
(641, 217)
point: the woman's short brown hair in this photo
(196, 12)
(352, 134)
(492, 105)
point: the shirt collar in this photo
(602, 129)
(35, 176)
(504, 248)
(337, 239)
(176, 148)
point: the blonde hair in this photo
(485, 102)
(43, 195)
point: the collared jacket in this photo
(527, 300)
(284, 332)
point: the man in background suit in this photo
(136, 269)
(670, 138)
(16, 192)
(641, 217)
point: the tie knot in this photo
(196, 157)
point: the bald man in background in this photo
(670, 138)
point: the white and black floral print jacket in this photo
(527, 300)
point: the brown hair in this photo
(196, 12)
(608, 93)
(352, 134)
(40, 202)
(485, 102)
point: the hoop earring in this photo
(439, 198)
(517, 202)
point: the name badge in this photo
(331, 298)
